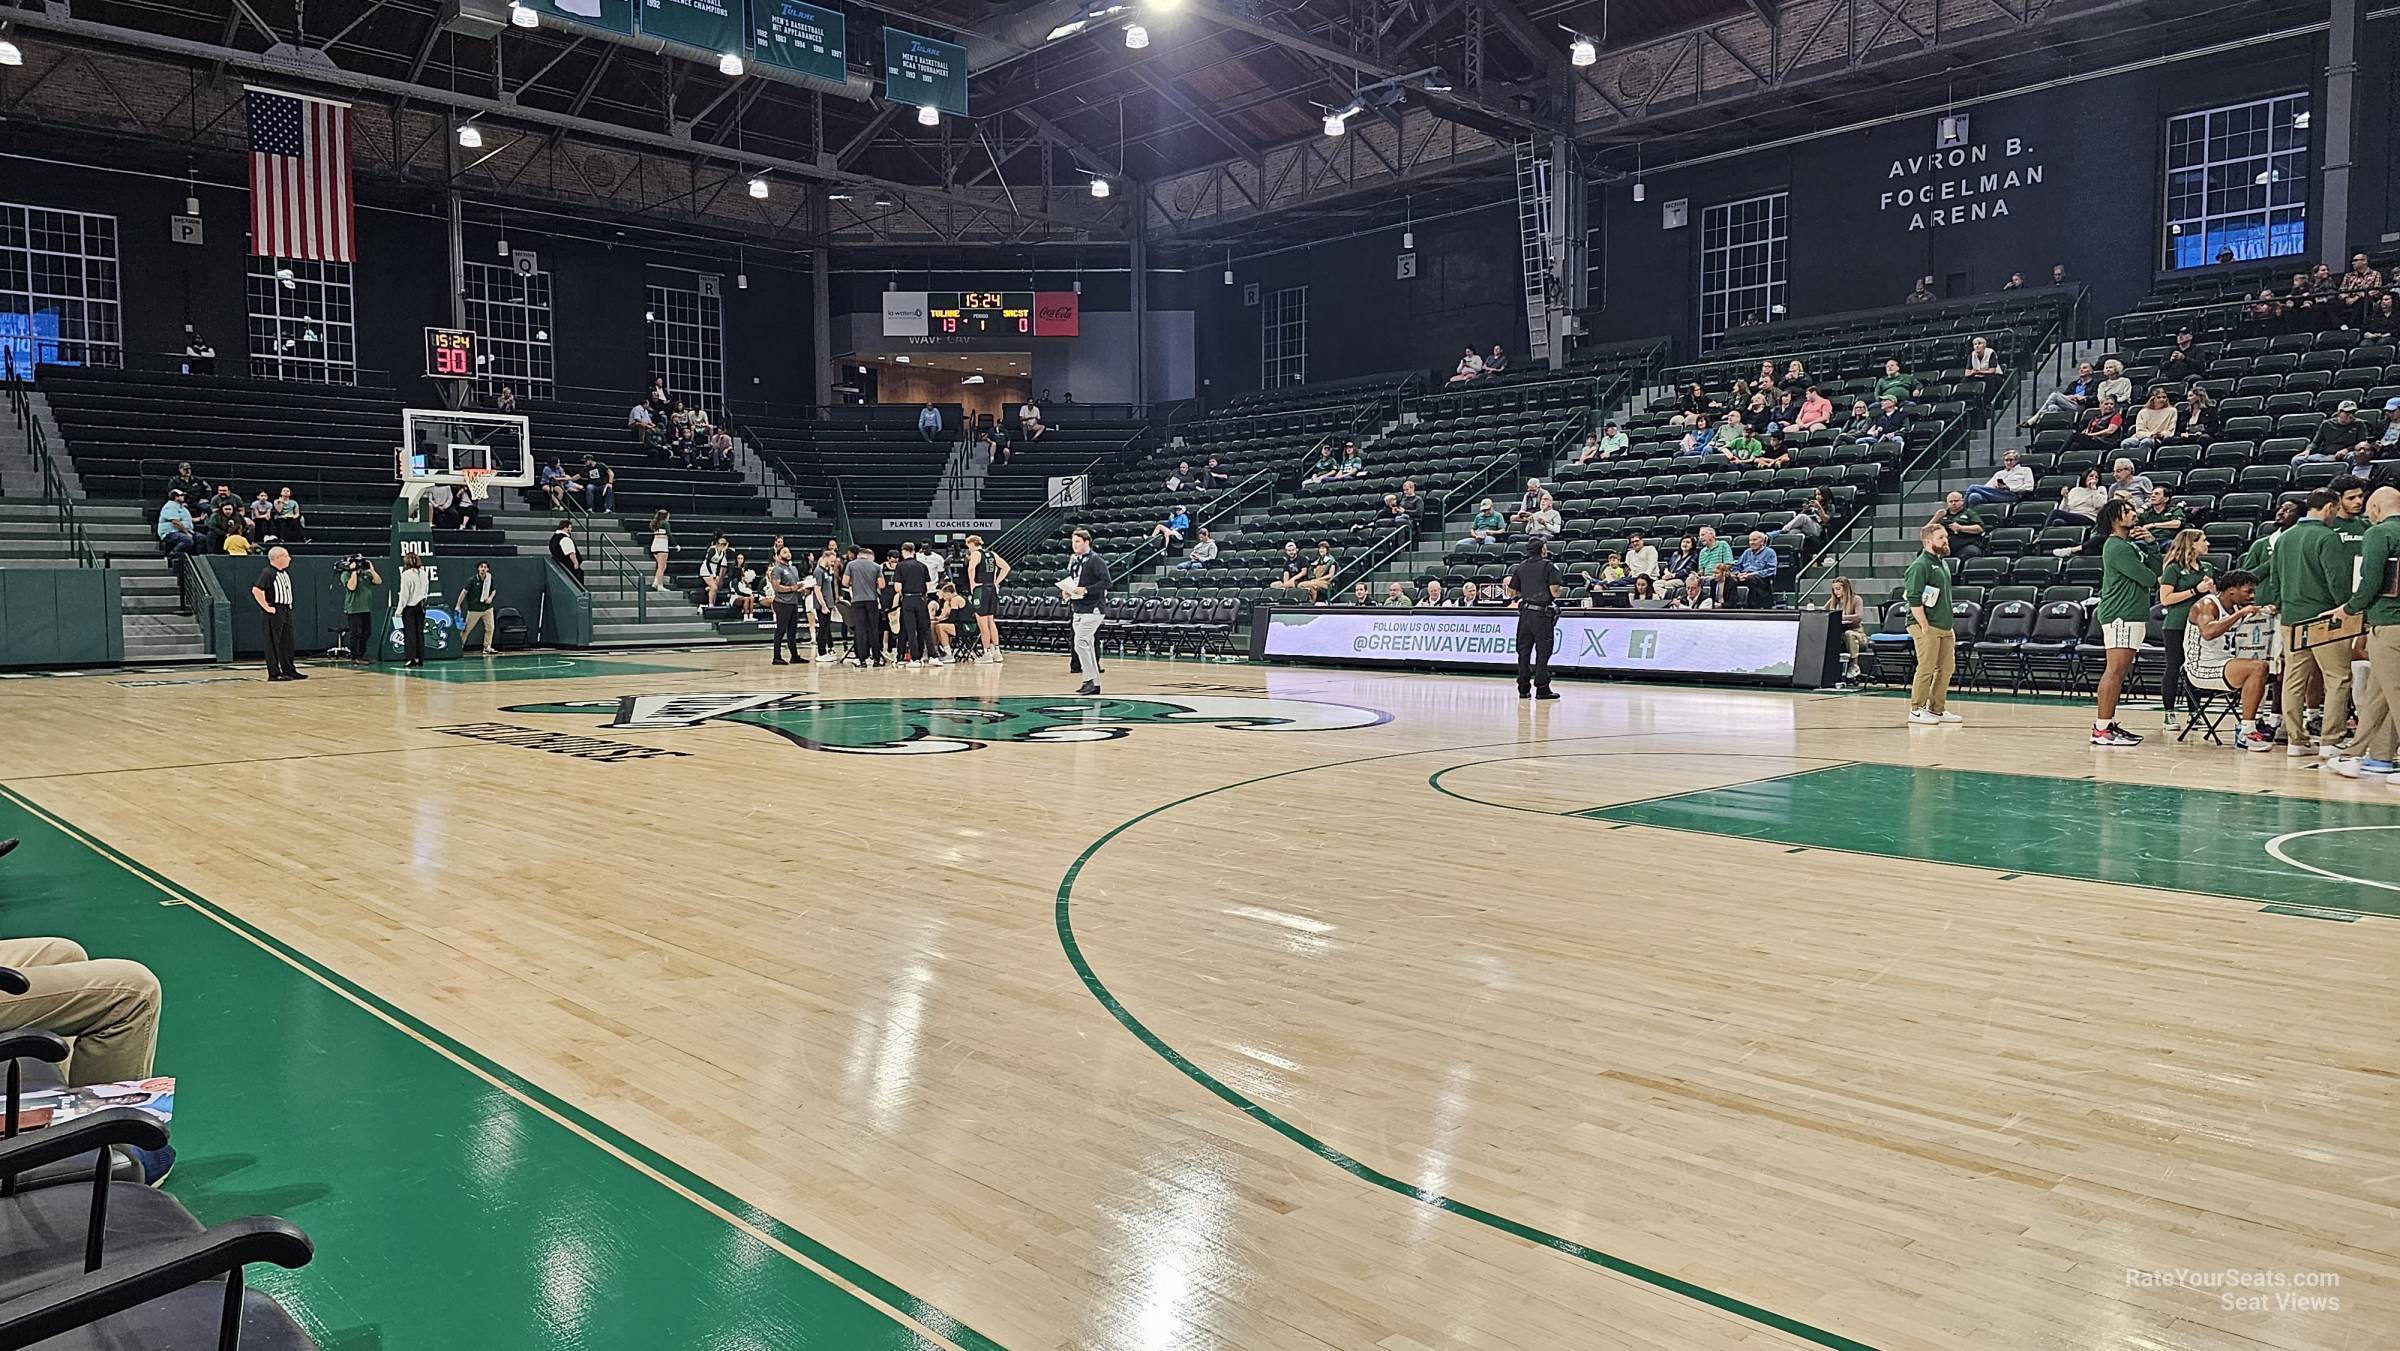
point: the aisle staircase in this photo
(623, 615)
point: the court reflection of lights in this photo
(886, 1045)
(570, 1270)
(497, 1140)
(1178, 1244)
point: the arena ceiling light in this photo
(1085, 16)
(928, 115)
(1582, 51)
(729, 64)
(758, 188)
(469, 138)
(523, 16)
(1136, 37)
(9, 54)
(1100, 187)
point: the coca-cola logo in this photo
(1055, 311)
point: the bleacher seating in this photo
(865, 458)
(1070, 442)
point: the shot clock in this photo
(449, 354)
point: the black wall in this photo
(598, 286)
(2097, 145)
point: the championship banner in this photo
(804, 39)
(706, 25)
(1763, 648)
(924, 72)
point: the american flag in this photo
(299, 178)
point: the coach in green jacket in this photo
(2379, 735)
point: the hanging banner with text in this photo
(709, 25)
(922, 71)
(606, 16)
(806, 40)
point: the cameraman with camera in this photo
(359, 583)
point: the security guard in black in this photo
(1534, 585)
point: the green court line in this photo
(2201, 841)
(1064, 921)
(447, 1213)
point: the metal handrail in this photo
(54, 494)
(210, 606)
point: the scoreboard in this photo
(980, 313)
(986, 319)
(449, 354)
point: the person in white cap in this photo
(2335, 436)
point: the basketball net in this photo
(478, 482)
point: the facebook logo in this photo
(1643, 645)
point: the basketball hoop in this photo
(478, 482)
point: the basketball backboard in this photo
(438, 445)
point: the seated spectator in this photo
(2184, 363)
(186, 482)
(720, 448)
(1849, 614)
(1170, 532)
(106, 1008)
(1714, 552)
(1544, 522)
(1295, 568)
(2211, 632)
(1182, 478)
(1389, 514)
(1612, 576)
(2058, 274)
(1796, 376)
(2159, 514)
(2196, 418)
(1029, 422)
(1812, 520)
(929, 422)
(262, 515)
(225, 499)
(1982, 362)
(1861, 426)
(1362, 595)
(1487, 526)
(2114, 384)
(505, 401)
(1702, 440)
(2124, 482)
(1895, 386)
(1354, 461)
(2390, 435)
(1758, 416)
(1645, 594)
(1591, 448)
(1395, 595)
(2381, 319)
(2010, 482)
(641, 425)
(1213, 476)
(1724, 592)
(2264, 314)
(1413, 502)
(2072, 398)
(550, 485)
(174, 528)
(1694, 408)
(441, 507)
(2334, 436)
(1891, 423)
(1495, 362)
(2015, 282)
(1738, 443)
(1787, 414)
(1470, 367)
(2357, 289)
(2154, 423)
(1433, 599)
(1320, 572)
(1641, 557)
(2101, 428)
(2363, 464)
(1754, 574)
(1684, 561)
(1691, 593)
(1202, 553)
(1922, 293)
(226, 531)
(1613, 441)
(1326, 465)
(599, 483)
(1775, 454)
(288, 521)
(1964, 525)
(1531, 502)
(2079, 504)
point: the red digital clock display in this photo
(449, 354)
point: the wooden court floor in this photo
(683, 1001)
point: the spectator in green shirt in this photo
(1963, 524)
(1488, 526)
(1895, 386)
(2312, 575)
(2159, 514)
(2379, 554)
(2128, 588)
(1712, 552)
(1927, 587)
(2183, 577)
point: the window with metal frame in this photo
(510, 313)
(2237, 182)
(1742, 264)
(58, 288)
(1283, 338)
(303, 325)
(687, 341)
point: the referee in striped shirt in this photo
(273, 592)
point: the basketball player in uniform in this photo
(986, 570)
(2221, 625)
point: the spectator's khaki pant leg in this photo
(2379, 722)
(107, 1009)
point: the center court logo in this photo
(941, 726)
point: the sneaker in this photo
(2369, 765)
(156, 1163)
(2344, 765)
(1948, 717)
(2299, 752)
(2113, 735)
(1919, 717)
(1089, 687)
(2254, 740)
(1545, 694)
(826, 658)
(2172, 720)
(941, 661)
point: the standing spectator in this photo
(1927, 587)
(2128, 588)
(789, 587)
(562, 551)
(416, 584)
(1754, 573)
(506, 400)
(475, 600)
(359, 585)
(175, 529)
(659, 545)
(2312, 574)
(199, 358)
(2357, 289)
(1086, 589)
(273, 592)
(929, 422)
(862, 582)
(2010, 482)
